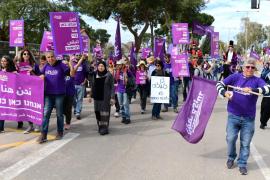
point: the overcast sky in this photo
(227, 19)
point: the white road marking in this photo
(259, 160)
(24, 164)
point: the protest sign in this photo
(160, 89)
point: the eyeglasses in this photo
(250, 67)
(25, 54)
(50, 56)
(158, 65)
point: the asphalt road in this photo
(145, 149)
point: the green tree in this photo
(253, 34)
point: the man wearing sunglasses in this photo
(241, 111)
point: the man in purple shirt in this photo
(241, 111)
(80, 81)
(54, 73)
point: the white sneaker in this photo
(116, 114)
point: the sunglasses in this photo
(158, 65)
(250, 67)
(50, 56)
(25, 54)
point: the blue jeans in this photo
(124, 105)
(173, 98)
(156, 109)
(50, 102)
(2, 124)
(244, 125)
(78, 99)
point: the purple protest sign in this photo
(85, 41)
(215, 45)
(254, 55)
(21, 97)
(146, 52)
(141, 77)
(66, 32)
(16, 33)
(159, 43)
(180, 65)
(47, 42)
(193, 117)
(180, 33)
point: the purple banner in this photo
(180, 33)
(47, 42)
(146, 52)
(16, 33)
(159, 43)
(254, 55)
(215, 45)
(66, 32)
(21, 97)
(180, 65)
(193, 117)
(141, 77)
(133, 59)
(197, 28)
(85, 41)
(267, 50)
(117, 43)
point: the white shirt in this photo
(230, 55)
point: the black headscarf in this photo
(105, 70)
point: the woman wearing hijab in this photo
(103, 95)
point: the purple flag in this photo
(180, 33)
(159, 43)
(47, 42)
(254, 55)
(180, 65)
(117, 43)
(16, 33)
(267, 50)
(66, 32)
(21, 97)
(133, 60)
(193, 117)
(215, 45)
(85, 41)
(146, 52)
(162, 53)
(197, 28)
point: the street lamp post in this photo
(246, 26)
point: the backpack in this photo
(131, 85)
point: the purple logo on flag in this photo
(180, 33)
(214, 45)
(195, 113)
(66, 33)
(16, 33)
(21, 97)
(180, 65)
(47, 42)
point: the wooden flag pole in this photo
(238, 88)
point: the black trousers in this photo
(143, 96)
(265, 111)
(68, 102)
(117, 106)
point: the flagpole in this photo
(238, 88)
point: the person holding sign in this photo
(54, 73)
(143, 84)
(241, 111)
(7, 65)
(159, 71)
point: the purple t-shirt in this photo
(55, 78)
(243, 104)
(81, 73)
(121, 88)
(70, 86)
